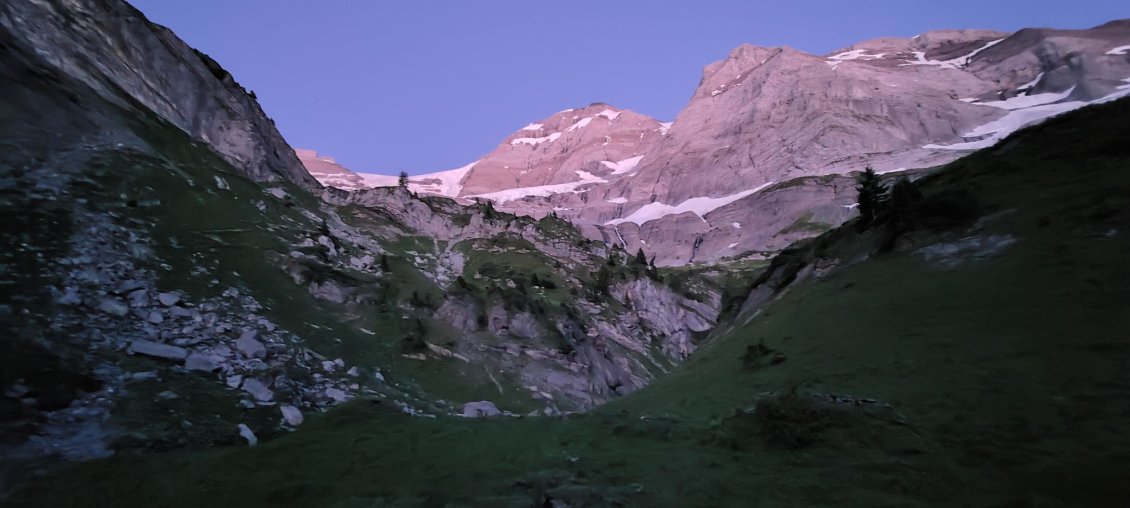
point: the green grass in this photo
(999, 382)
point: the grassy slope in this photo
(1006, 379)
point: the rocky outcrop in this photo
(129, 61)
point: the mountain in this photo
(765, 121)
(172, 281)
(111, 48)
(973, 336)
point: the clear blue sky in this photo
(424, 86)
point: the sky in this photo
(421, 86)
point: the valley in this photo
(606, 310)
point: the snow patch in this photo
(664, 127)
(737, 225)
(535, 141)
(1027, 87)
(609, 114)
(732, 245)
(699, 206)
(1121, 50)
(503, 196)
(580, 124)
(618, 201)
(953, 63)
(624, 166)
(532, 127)
(1018, 117)
(1028, 101)
(855, 54)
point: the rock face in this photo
(765, 120)
(145, 62)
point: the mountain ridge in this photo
(765, 116)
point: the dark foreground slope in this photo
(983, 362)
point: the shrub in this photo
(791, 420)
(758, 355)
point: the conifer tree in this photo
(872, 195)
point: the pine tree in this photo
(641, 259)
(904, 194)
(601, 281)
(872, 195)
(384, 263)
(403, 179)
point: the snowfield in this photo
(443, 183)
(503, 196)
(953, 63)
(699, 206)
(1025, 110)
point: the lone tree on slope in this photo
(403, 180)
(641, 259)
(872, 194)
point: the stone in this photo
(70, 297)
(245, 433)
(336, 395)
(234, 381)
(129, 286)
(113, 306)
(168, 299)
(138, 298)
(180, 312)
(155, 317)
(329, 366)
(258, 390)
(480, 409)
(202, 362)
(353, 372)
(157, 350)
(249, 347)
(291, 415)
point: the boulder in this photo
(258, 390)
(480, 409)
(70, 297)
(202, 362)
(168, 299)
(138, 298)
(336, 395)
(113, 306)
(249, 347)
(157, 350)
(291, 415)
(245, 433)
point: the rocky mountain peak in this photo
(562, 151)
